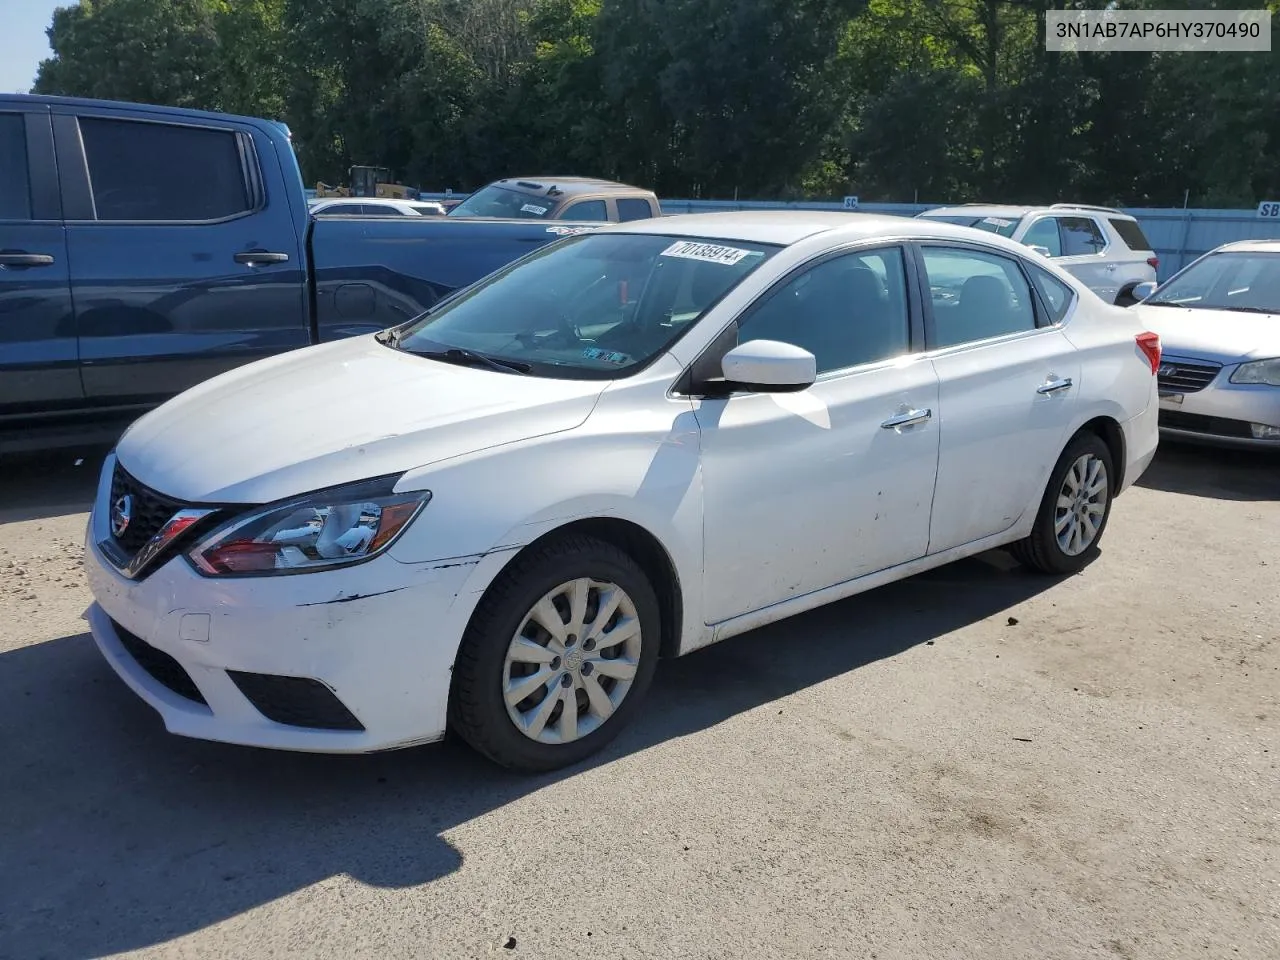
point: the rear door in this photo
(1137, 260)
(39, 367)
(185, 258)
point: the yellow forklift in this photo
(365, 181)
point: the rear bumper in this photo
(1141, 440)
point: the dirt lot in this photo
(975, 763)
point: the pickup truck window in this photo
(633, 208)
(143, 171)
(15, 186)
(586, 210)
(589, 307)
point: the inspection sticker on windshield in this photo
(533, 208)
(709, 252)
(608, 356)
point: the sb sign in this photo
(1269, 210)
(851, 203)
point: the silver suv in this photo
(1104, 248)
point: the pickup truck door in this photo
(186, 258)
(39, 369)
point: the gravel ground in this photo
(973, 763)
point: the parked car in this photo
(630, 444)
(143, 249)
(1219, 321)
(559, 198)
(375, 207)
(1104, 248)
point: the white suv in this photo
(1105, 248)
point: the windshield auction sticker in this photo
(708, 252)
(533, 208)
(1132, 31)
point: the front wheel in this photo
(1073, 512)
(557, 657)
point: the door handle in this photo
(907, 419)
(254, 258)
(20, 258)
(1111, 268)
(1053, 386)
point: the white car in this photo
(628, 444)
(1219, 324)
(375, 207)
(1103, 247)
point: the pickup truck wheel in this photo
(557, 657)
(1073, 512)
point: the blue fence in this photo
(1178, 236)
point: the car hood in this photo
(337, 413)
(1226, 336)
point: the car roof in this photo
(785, 227)
(568, 186)
(1251, 246)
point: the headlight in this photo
(319, 531)
(1258, 371)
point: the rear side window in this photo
(1131, 234)
(1080, 236)
(1056, 294)
(159, 171)
(633, 208)
(15, 186)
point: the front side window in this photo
(591, 306)
(1248, 282)
(162, 171)
(15, 185)
(976, 295)
(1044, 233)
(846, 311)
(587, 210)
(1081, 237)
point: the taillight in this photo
(1153, 263)
(1149, 344)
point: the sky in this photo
(22, 41)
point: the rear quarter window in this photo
(1131, 234)
(1057, 295)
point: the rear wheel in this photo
(557, 657)
(1074, 510)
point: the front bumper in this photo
(1223, 414)
(344, 661)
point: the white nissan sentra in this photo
(629, 444)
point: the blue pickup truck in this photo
(144, 249)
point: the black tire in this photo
(477, 710)
(1125, 297)
(1040, 551)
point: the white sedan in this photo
(1219, 324)
(627, 445)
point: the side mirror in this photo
(1143, 290)
(1043, 251)
(769, 366)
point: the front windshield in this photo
(591, 306)
(1248, 282)
(1000, 225)
(499, 202)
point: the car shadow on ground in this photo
(118, 835)
(1215, 473)
(39, 486)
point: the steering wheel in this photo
(565, 330)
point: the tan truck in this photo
(559, 198)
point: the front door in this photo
(805, 490)
(1008, 382)
(39, 366)
(186, 260)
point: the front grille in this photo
(1214, 426)
(149, 511)
(162, 667)
(1178, 376)
(295, 701)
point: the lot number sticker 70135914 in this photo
(710, 252)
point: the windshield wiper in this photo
(464, 357)
(1250, 310)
